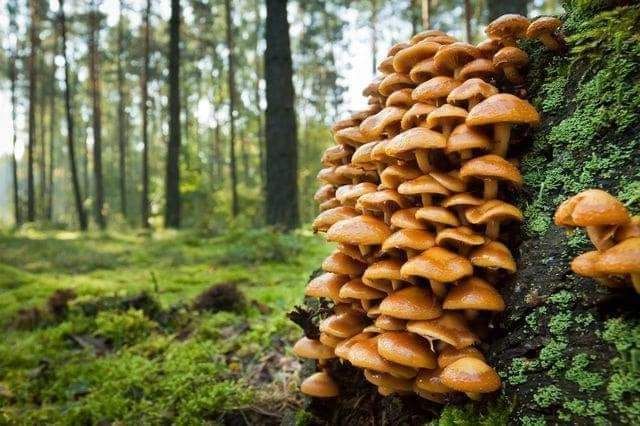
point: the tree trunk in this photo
(426, 14)
(414, 16)
(282, 154)
(172, 209)
(468, 12)
(94, 71)
(373, 26)
(498, 8)
(122, 122)
(235, 207)
(14, 161)
(42, 135)
(34, 46)
(144, 207)
(82, 217)
(53, 127)
(258, 96)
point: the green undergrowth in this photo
(130, 347)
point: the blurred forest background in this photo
(130, 113)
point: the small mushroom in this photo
(493, 213)
(355, 289)
(435, 90)
(416, 116)
(342, 349)
(385, 122)
(362, 156)
(406, 348)
(508, 28)
(411, 241)
(364, 354)
(416, 143)
(450, 180)
(348, 194)
(472, 376)
(313, 349)
(343, 325)
(473, 91)
(472, 295)
(489, 47)
(411, 303)
(462, 238)
(423, 71)
(453, 57)
(449, 355)
(329, 340)
(543, 29)
(364, 231)
(329, 176)
(341, 264)
(326, 285)
(387, 323)
(324, 193)
(336, 155)
(491, 168)
(384, 275)
(385, 201)
(387, 381)
(406, 219)
(428, 384)
(493, 255)
(401, 99)
(450, 328)
(623, 258)
(459, 203)
(328, 217)
(509, 60)
(438, 217)
(464, 140)
(425, 186)
(393, 82)
(406, 58)
(351, 136)
(392, 176)
(445, 118)
(480, 68)
(320, 385)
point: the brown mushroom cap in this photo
(474, 293)
(470, 88)
(411, 303)
(450, 180)
(375, 125)
(314, 349)
(355, 289)
(378, 153)
(372, 87)
(328, 175)
(592, 207)
(586, 264)
(329, 204)
(471, 375)
(406, 349)
(429, 380)
(349, 194)
(398, 47)
(350, 171)
(320, 385)
(449, 355)
(406, 219)
(623, 258)
(386, 66)
(464, 137)
(450, 328)
(438, 264)
(364, 354)
(342, 349)
(334, 155)
(433, 89)
(329, 340)
(423, 71)
(362, 155)
(341, 264)
(461, 235)
(491, 166)
(544, 24)
(437, 215)
(463, 199)
(326, 285)
(508, 27)
(446, 113)
(392, 176)
(502, 108)
(456, 55)
(344, 123)
(324, 193)
(361, 230)
(394, 81)
(387, 381)
(328, 217)
(377, 200)
(400, 98)
(343, 325)
(489, 47)
(416, 115)
(405, 59)
(387, 323)
(416, 138)
(510, 57)
(412, 239)
(424, 34)
(424, 184)
(379, 274)
(351, 136)
(366, 112)
(493, 210)
(493, 255)
(478, 68)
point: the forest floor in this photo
(137, 343)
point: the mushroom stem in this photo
(456, 73)
(471, 314)
(513, 75)
(386, 210)
(438, 288)
(490, 189)
(473, 101)
(426, 200)
(364, 250)
(411, 252)
(474, 396)
(549, 41)
(366, 304)
(446, 128)
(322, 363)
(422, 157)
(396, 285)
(465, 155)
(635, 280)
(601, 239)
(463, 220)
(493, 229)
(501, 134)
(380, 168)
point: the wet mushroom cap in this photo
(424, 184)
(343, 325)
(491, 166)
(509, 26)
(377, 200)
(585, 264)
(364, 354)
(430, 380)
(416, 115)
(386, 269)
(375, 125)
(446, 112)
(351, 136)
(592, 207)
(437, 215)
(406, 219)
(463, 199)
(365, 230)
(320, 385)
(623, 258)
(510, 56)
(438, 264)
(355, 289)
(393, 176)
(326, 285)
(489, 47)
(434, 88)
(325, 219)
(478, 68)
(544, 24)
(387, 380)
(470, 88)
(460, 235)
(400, 98)
(349, 194)
(471, 375)
(415, 138)
(474, 293)
(394, 81)
(324, 193)
(314, 349)
(339, 263)
(414, 239)
(362, 155)
(464, 137)
(503, 108)
(493, 255)
(411, 303)
(405, 59)
(424, 34)
(450, 354)
(344, 123)
(493, 210)
(329, 340)
(335, 154)
(450, 180)
(329, 175)
(455, 55)
(387, 323)
(450, 327)
(342, 349)
(406, 349)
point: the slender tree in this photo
(82, 217)
(282, 154)
(235, 207)
(13, 76)
(33, 88)
(414, 15)
(94, 71)
(467, 19)
(144, 106)
(373, 27)
(257, 91)
(53, 123)
(172, 180)
(426, 14)
(122, 124)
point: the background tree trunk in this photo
(14, 161)
(172, 210)
(33, 89)
(235, 207)
(94, 71)
(497, 8)
(53, 127)
(122, 123)
(144, 206)
(373, 26)
(257, 94)
(77, 197)
(282, 151)
(468, 12)
(426, 14)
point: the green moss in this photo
(494, 414)
(532, 421)
(594, 410)
(580, 374)
(533, 319)
(124, 327)
(560, 323)
(547, 396)
(584, 319)
(516, 374)
(552, 356)
(562, 298)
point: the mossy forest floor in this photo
(130, 346)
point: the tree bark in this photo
(282, 150)
(82, 217)
(172, 208)
(258, 96)
(498, 8)
(122, 122)
(14, 106)
(33, 87)
(94, 71)
(374, 36)
(144, 207)
(53, 127)
(235, 207)
(467, 19)
(426, 14)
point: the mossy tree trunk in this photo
(566, 348)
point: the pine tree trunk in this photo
(498, 8)
(373, 24)
(33, 88)
(282, 145)
(42, 135)
(426, 14)
(144, 207)
(257, 94)
(235, 207)
(53, 127)
(14, 161)
(172, 209)
(82, 217)
(94, 71)
(122, 123)
(468, 12)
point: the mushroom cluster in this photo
(614, 234)
(414, 195)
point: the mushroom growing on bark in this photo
(544, 29)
